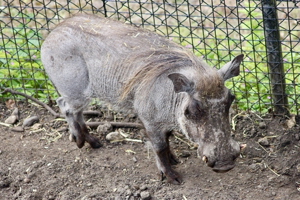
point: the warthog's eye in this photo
(194, 111)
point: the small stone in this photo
(291, 122)
(136, 194)
(128, 192)
(30, 121)
(18, 129)
(36, 126)
(263, 141)
(16, 113)
(134, 159)
(145, 195)
(89, 184)
(262, 125)
(114, 136)
(143, 187)
(26, 180)
(11, 119)
(104, 128)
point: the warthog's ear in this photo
(181, 83)
(231, 68)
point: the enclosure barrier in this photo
(267, 32)
(274, 56)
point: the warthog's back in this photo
(98, 55)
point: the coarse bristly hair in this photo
(156, 62)
(151, 62)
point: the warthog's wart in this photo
(165, 84)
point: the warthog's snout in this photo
(219, 165)
(223, 169)
(222, 166)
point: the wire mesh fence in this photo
(214, 30)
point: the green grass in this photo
(20, 65)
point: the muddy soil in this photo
(41, 162)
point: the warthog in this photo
(166, 85)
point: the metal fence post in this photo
(104, 8)
(274, 56)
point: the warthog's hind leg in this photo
(78, 130)
(93, 141)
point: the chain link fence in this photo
(267, 32)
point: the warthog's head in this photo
(204, 113)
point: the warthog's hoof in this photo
(93, 141)
(79, 140)
(95, 144)
(173, 177)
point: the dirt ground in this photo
(41, 162)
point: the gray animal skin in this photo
(166, 85)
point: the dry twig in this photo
(4, 124)
(266, 165)
(34, 100)
(117, 124)
(263, 148)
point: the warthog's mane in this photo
(155, 63)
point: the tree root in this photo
(117, 124)
(57, 115)
(90, 124)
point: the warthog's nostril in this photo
(209, 162)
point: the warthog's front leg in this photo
(164, 157)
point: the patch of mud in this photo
(41, 162)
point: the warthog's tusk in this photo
(243, 146)
(204, 158)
